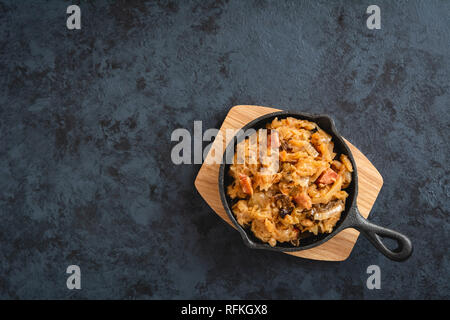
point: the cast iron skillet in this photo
(350, 217)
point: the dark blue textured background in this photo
(86, 118)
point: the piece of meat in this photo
(302, 199)
(246, 184)
(327, 177)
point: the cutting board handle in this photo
(375, 235)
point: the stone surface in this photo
(86, 117)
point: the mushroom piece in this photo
(331, 209)
(285, 146)
(284, 204)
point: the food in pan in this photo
(300, 195)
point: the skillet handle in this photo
(374, 234)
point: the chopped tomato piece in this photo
(302, 199)
(327, 177)
(246, 184)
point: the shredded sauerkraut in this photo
(304, 195)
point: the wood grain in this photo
(336, 249)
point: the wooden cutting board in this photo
(336, 249)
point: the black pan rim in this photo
(346, 214)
